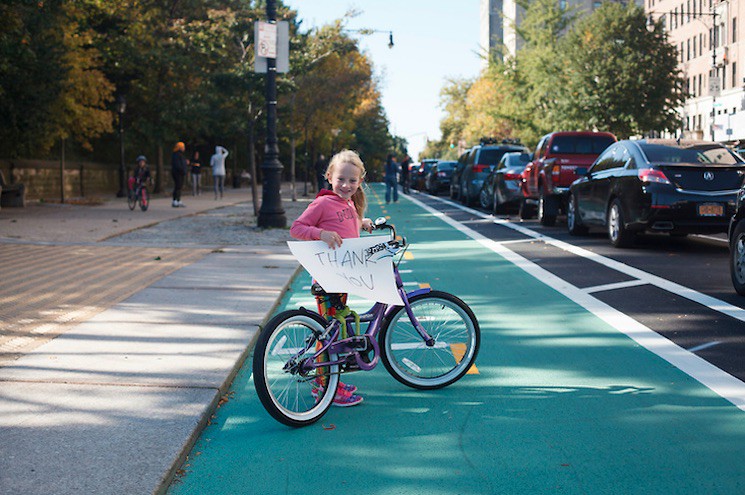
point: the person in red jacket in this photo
(331, 217)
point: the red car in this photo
(546, 179)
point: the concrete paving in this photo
(113, 404)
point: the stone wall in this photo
(81, 179)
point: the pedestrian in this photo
(196, 174)
(391, 179)
(217, 162)
(320, 169)
(332, 216)
(178, 171)
(405, 174)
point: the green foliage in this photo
(186, 70)
(618, 76)
(604, 71)
(51, 81)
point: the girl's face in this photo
(345, 179)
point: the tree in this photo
(51, 81)
(618, 76)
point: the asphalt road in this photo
(572, 394)
(678, 287)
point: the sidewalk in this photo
(113, 403)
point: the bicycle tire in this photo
(457, 335)
(144, 203)
(131, 199)
(288, 397)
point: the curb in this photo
(172, 474)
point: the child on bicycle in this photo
(331, 217)
(141, 173)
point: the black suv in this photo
(476, 164)
(737, 243)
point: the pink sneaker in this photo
(346, 387)
(347, 400)
(342, 398)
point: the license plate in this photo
(711, 210)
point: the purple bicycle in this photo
(428, 343)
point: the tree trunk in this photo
(252, 166)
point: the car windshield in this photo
(698, 153)
(581, 145)
(516, 159)
(492, 156)
(445, 166)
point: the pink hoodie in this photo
(328, 211)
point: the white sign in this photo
(363, 267)
(715, 86)
(281, 44)
(267, 40)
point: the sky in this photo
(433, 40)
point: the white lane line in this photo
(680, 290)
(617, 285)
(718, 381)
(704, 346)
(718, 240)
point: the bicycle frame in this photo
(374, 317)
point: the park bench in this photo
(11, 194)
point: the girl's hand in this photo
(331, 238)
(367, 225)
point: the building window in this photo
(688, 49)
(734, 74)
(734, 29)
(724, 76)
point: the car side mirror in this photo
(581, 171)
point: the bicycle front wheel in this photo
(131, 199)
(290, 395)
(457, 336)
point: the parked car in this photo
(455, 176)
(547, 177)
(678, 187)
(737, 243)
(419, 175)
(503, 186)
(481, 159)
(438, 177)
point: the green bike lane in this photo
(562, 403)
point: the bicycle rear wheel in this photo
(131, 199)
(143, 199)
(457, 336)
(289, 395)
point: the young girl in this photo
(331, 217)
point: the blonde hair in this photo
(348, 156)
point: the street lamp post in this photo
(121, 107)
(712, 43)
(271, 213)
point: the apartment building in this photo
(711, 51)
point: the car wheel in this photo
(526, 211)
(547, 210)
(497, 204)
(737, 257)
(618, 234)
(484, 199)
(465, 196)
(574, 224)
